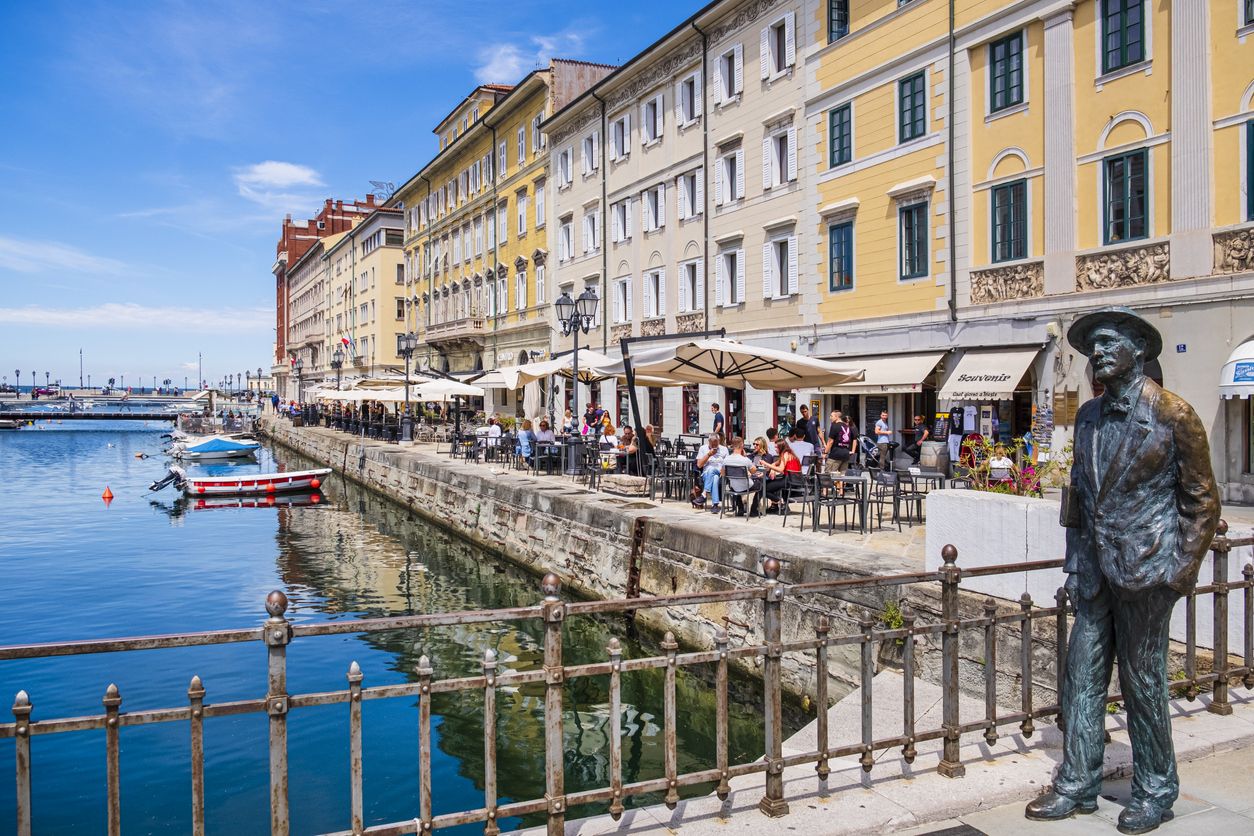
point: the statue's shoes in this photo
(1142, 816)
(1053, 806)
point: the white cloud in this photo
(506, 63)
(278, 185)
(40, 256)
(132, 317)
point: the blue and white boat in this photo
(215, 447)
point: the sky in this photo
(150, 150)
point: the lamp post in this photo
(576, 316)
(259, 381)
(17, 381)
(406, 344)
(248, 380)
(337, 363)
(299, 365)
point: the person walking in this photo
(884, 440)
(718, 419)
(842, 444)
(1140, 514)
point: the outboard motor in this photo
(176, 475)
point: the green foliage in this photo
(1113, 708)
(892, 618)
(1022, 478)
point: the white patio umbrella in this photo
(442, 390)
(735, 365)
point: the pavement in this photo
(1217, 776)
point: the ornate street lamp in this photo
(17, 381)
(299, 366)
(406, 345)
(576, 316)
(337, 363)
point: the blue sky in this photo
(150, 151)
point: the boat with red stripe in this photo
(256, 484)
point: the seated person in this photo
(627, 445)
(772, 449)
(545, 434)
(799, 446)
(759, 454)
(777, 471)
(525, 445)
(919, 434)
(737, 458)
(710, 463)
(608, 440)
(1000, 465)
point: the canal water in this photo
(75, 567)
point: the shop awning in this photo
(887, 374)
(987, 375)
(1237, 378)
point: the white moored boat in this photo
(257, 484)
(215, 447)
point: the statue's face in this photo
(1114, 354)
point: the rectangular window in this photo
(502, 154)
(521, 203)
(1005, 79)
(520, 291)
(1010, 221)
(490, 223)
(591, 232)
(621, 220)
(840, 256)
(1123, 33)
(651, 120)
(565, 175)
(913, 232)
(691, 294)
(779, 37)
(911, 107)
(540, 220)
(729, 74)
(400, 308)
(591, 152)
(691, 200)
(837, 19)
(620, 137)
(780, 267)
(1125, 197)
(522, 146)
(654, 294)
(622, 300)
(502, 232)
(539, 284)
(688, 99)
(565, 241)
(1249, 155)
(840, 135)
(729, 279)
(730, 177)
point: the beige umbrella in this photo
(735, 365)
(442, 390)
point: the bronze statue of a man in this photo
(1140, 515)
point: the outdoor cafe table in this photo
(861, 484)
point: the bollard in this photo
(773, 803)
(950, 575)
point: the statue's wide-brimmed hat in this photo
(1080, 334)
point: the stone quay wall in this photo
(586, 538)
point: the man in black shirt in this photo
(915, 448)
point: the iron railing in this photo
(277, 633)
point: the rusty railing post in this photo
(113, 767)
(670, 757)
(21, 718)
(553, 612)
(424, 671)
(277, 633)
(1219, 549)
(355, 678)
(720, 714)
(823, 768)
(907, 682)
(866, 679)
(773, 803)
(615, 650)
(1248, 574)
(990, 671)
(196, 700)
(1060, 656)
(950, 575)
(1025, 665)
(489, 742)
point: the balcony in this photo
(466, 327)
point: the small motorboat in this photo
(257, 484)
(215, 447)
(270, 500)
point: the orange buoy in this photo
(270, 488)
(315, 483)
(315, 498)
(200, 489)
(107, 495)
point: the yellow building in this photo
(476, 233)
(365, 306)
(978, 187)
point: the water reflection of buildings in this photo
(368, 556)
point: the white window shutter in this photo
(648, 296)
(661, 113)
(740, 173)
(618, 305)
(698, 103)
(767, 180)
(617, 225)
(740, 275)
(645, 226)
(681, 200)
(739, 53)
(679, 103)
(627, 217)
(661, 204)
(720, 281)
(718, 182)
(630, 305)
(683, 291)
(792, 153)
(644, 121)
(596, 150)
(661, 293)
(698, 206)
(699, 302)
(627, 135)
(767, 271)
(718, 79)
(790, 39)
(792, 264)
(764, 54)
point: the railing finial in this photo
(21, 700)
(550, 585)
(276, 604)
(949, 554)
(770, 568)
(1222, 528)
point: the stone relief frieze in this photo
(1150, 264)
(689, 323)
(653, 328)
(747, 13)
(620, 332)
(1234, 251)
(657, 71)
(575, 124)
(1014, 281)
